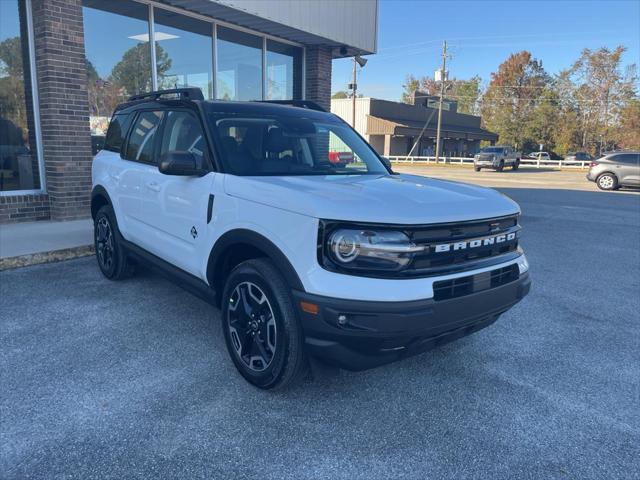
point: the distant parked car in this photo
(340, 158)
(541, 156)
(578, 157)
(615, 170)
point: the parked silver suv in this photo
(615, 170)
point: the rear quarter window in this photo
(116, 133)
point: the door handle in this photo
(153, 186)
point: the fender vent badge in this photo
(194, 232)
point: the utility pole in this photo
(353, 95)
(443, 74)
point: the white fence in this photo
(525, 162)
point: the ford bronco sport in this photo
(240, 203)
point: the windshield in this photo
(491, 150)
(290, 145)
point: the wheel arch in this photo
(238, 245)
(99, 198)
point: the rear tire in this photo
(477, 169)
(261, 329)
(501, 166)
(110, 253)
(516, 165)
(607, 181)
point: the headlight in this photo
(365, 249)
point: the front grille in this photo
(463, 239)
(473, 245)
(459, 287)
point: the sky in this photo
(482, 34)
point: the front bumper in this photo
(375, 333)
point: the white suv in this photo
(242, 204)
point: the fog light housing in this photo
(523, 264)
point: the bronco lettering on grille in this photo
(475, 243)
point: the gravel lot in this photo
(132, 380)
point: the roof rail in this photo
(191, 93)
(298, 103)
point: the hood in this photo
(399, 199)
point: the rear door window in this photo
(625, 158)
(116, 133)
(140, 147)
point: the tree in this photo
(600, 90)
(542, 124)
(511, 97)
(627, 132)
(467, 93)
(340, 94)
(411, 84)
(132, 72)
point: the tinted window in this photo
(118, 56)
(284, 67)
(140, 146)
(626, 158)
(239, 61)
(116, 133)
(186, 56)
(18, 156)
(183, 133)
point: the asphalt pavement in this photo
(131, 379)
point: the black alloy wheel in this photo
(252, 326)
(261, 326)
(112, 258)
(104, 243)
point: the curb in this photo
(46, 257)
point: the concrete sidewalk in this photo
(40, 242)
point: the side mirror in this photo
(387, 163)
(180, 163)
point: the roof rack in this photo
(191, 93)
(298, 103)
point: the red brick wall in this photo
(318, 75)
(64, 109)
(24, 208)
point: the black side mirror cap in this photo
(387, 163)
(180, 163)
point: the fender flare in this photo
(259, 242)
(99, 191)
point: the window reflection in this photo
(116, 36)
(187, 44)
(239, 75)
(284, 68)
(18, 158)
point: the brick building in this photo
(64, 65)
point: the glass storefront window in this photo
(19, 169)
(116, 36)
(284, 71)
(239, 75)
(187, 44)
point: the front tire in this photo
(477, 169)
(261, 329)
(111, 256)
(500, 166)
(607, 181)
(516, 165)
